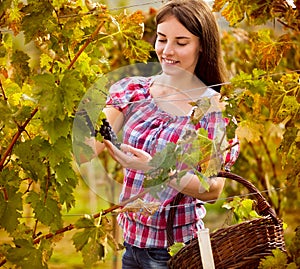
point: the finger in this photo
(135, 151)
(108, 144)
(125, 148)
(110, 147)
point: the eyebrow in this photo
(177, 37)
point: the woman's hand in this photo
(129, 157)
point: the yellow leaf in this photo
(270, 51)
(234, 12)
(249, 130)
(218, 5)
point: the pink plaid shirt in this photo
(149, 128)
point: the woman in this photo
(153, 111)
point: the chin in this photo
(172, 70)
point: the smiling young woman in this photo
(154, 111)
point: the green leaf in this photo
(175, 248)
(20, 66)
(65, 174)
(71, 90)
(30, 157)
(58, 128)
(163, 159)
(242, 209)
(60, 151)
(47, 211)
(86, 222)
(278, 260)
(10, 209)
(80, 239)
(26, 255)
(92, 252)
(88, 241)
(14, 91)
(9, 177)
(163, 162)
(66, 183)
(38, 18)
(57, 99)
(50, 103)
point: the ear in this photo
(200, 48)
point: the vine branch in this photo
(5, 194)
(15, 138)
(89, 40)
(3, 93)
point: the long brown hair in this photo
(197, 17)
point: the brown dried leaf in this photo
(145, 208)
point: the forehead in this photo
(170, 26)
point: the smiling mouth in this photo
(167, 61)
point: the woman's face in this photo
(176, 47)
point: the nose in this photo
(168, 49)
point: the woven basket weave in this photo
(237, 246)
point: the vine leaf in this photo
(66, 182)
(145, 208)
(62, 95)
(30, 156)
(271, 50)
(92, 252)
(201, 107)
(284, 98)
(58, 128)
(278, 260)
(193, 151)
(93, 239)
(20, 66)
(242, 209)
(233, 12)
(41, 14)
(175, 248)
(46, 211)
(163, 162)
(27, 256)
(250, 130)
(9, 210)
(80, 239)
(131, 29)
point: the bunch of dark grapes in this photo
(105, 129)
(107, 132)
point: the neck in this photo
(186, 82)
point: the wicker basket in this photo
(241, 245)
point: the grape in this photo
(108, 134)
(105, 129)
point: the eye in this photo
(181, 44)
(162, 40)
